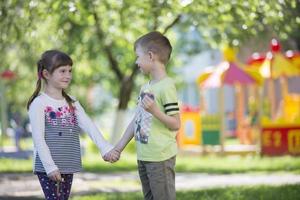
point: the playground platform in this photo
(216, 149)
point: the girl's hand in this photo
(55, 175)
(112, 156)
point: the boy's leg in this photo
(144, 180)
(50, 188)
(161, 177)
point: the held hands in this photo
(112, 156)
(55, 175)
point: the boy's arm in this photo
(171, 121)
(127, 136)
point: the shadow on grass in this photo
(285, 192)
(19, 198)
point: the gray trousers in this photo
(158, 179)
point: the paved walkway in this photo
(26, 185)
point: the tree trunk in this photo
(298, 42)
(124, 97)
(3, 107)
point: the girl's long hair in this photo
(51, 60)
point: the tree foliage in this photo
(99, 35)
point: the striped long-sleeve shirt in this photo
(55, 132)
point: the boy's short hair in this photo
(157, 43)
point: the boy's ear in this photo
(151, 55)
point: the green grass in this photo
(286, 192)
(92, 162)
(260, 192)
(237, 164)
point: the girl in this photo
(56, 119)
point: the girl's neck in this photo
(54, 93)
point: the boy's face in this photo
(143, 60)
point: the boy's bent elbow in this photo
(175, 127)
(175, 124)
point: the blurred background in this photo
(237, 69)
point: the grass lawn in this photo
(286, 192)
(92, 162)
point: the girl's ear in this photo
(46, 74)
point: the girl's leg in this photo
(48, 186)
(66, 185)
(54, 190)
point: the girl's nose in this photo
(69, 74)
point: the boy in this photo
(156, 121)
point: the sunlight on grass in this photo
(92, 162)
(237, 164)
(285, 192)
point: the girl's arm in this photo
(37, 121)
(87, 125)
(114, 154)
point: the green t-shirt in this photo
(154, 141)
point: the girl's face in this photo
(143, 60)
(60, 78)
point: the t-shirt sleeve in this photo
(37, 122)
(169, 99)
(88, 126)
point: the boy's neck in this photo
(54, 93)
(158, 72)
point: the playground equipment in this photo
(278, 124)
(190, 131)
(280, 130)
(207, 128)
(231, 73)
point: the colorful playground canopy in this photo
(294, 57)
(276, 65)
(227, 73)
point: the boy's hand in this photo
(112, 156)
(55, 175)
(148, 103)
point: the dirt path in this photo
(20, 186)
